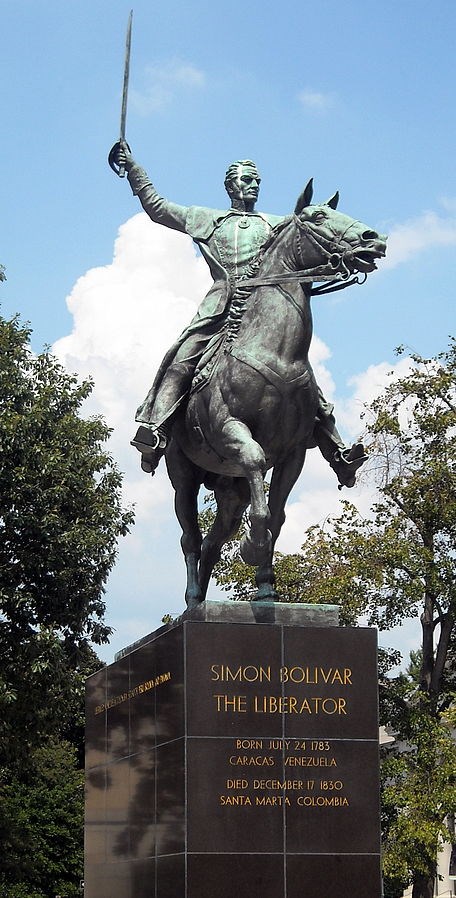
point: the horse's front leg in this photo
(256, 545)
(284, 477)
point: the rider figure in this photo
(229, 240)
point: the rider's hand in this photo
(123, 155)
(120, 157)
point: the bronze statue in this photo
(236, 395)
(229, 241)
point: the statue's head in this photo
(242, 182)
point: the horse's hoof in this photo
(266, 593)
(255, 553)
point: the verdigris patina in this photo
(236, 395)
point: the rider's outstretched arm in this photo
(157, 207)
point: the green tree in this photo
(41, 821)
(417, 795)
(403, 560)
(60, 520)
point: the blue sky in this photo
(358, 95)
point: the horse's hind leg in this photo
(284, 477)
(232, 497)
(186, 479)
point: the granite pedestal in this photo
(236, 759)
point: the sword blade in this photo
(123, 114)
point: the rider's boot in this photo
(346, 462)
(151, 441)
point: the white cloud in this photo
(448, 203)
(318, 355)
(315, 100)
(164, 82)
(419, 234)
(126, 315)
(366, 386)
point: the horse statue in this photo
(253, 402)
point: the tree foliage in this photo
(414, 434)
(41, 822)
(419, 795)
(60, 519)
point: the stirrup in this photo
(151, 443)
(148, 438)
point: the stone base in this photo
(292, 615)
(296, 614)
(235, 759)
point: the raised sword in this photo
(120, 169)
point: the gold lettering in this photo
(278, 785)
(235, 800)
(251, 761)
(330, 785)
(250, 673)
(234, 703)
(215, 671)
(289, 704)
(282, 743)
(293, 761)
(322, 801)
(311, 676)
(136, 690)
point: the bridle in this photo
(339, 277)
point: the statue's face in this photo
(246, 185)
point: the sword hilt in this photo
(118, 168)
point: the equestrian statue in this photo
(236, 396)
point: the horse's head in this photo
(327, 237)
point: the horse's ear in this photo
(333, 201)
(306, 197)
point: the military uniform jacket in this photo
(227, 239)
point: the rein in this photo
(337, 280)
